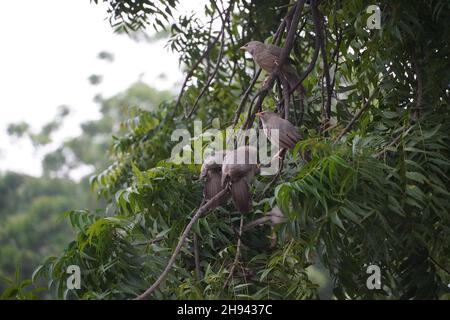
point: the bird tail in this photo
(240, 194)
(213, 186)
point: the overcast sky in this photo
(48, 49)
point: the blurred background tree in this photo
(33, 226)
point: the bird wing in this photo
(287, 132)
(265, 60)
(233, 172)
(274, 50)
(290, 133)
(213, 184)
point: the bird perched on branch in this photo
(267, 57)
(239, 167)
(288, 135)
(212, 174)
(273, 217)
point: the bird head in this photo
(264, 115)
(252, 47)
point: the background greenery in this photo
(379, 195)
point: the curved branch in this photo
(200, 212)
(245, 97)
(194, 67)
(276, 41)
(219, 58)
(198, 269)
(285, 51)
(312, 64)
(238, 253)
(357, 116)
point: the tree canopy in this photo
(375, 192)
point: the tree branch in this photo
(326, 67)
(356, 117)
(198, 270)
(194, 67)
(312, 64)
(276, 41)
(419, 90)
(200, 212)
(245, 97)
(285, 51)
(397, 139)
(238, 253)
(219, 58)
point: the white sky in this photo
(48, 49)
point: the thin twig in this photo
(152, 241)
(395, 141)
(438, 264)
(326, 67)
(335, 56)
(238, 253)
(278, 174)
(285, 92)
(219, 59)
(245, 97)
(194, 67)
(200, 212)
(419, 90)
(357, 116)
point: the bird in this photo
(239, 167)
(288, 135)
(273, 217)
(267, 57)
(211, 172)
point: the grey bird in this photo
(212, 174)
(273, 217)
(267, 57)
(288, 135)
(239, 167)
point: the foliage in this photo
(19, 289)
(377, 196)
(32, 227)
(31, 209)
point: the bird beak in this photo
(243, 48)
(258, 114)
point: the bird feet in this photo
(265, 81)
